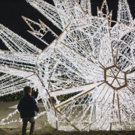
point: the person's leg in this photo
(24, 126)
(32, 121)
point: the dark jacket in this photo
(27, 106)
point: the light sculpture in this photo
(93, 59)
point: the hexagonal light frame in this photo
(115, 77)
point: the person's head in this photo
(27, 90)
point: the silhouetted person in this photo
(27, 107)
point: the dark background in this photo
(12, 10)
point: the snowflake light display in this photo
(92, 62)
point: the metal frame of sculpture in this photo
(92, 59)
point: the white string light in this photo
(88, 69)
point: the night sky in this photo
(12, 10)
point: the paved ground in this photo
(41, 127)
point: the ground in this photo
(42, 127)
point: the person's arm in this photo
(19, 106)
(35, 106)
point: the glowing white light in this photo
(91, 62)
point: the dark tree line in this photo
(15, 96)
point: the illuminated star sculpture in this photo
(91, 62)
